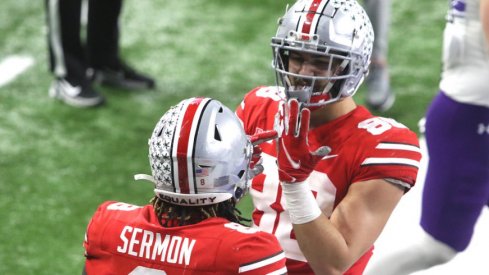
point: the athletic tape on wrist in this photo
(300, 202)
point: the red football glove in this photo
(295, 161)
(255, 166)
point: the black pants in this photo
(68, 54)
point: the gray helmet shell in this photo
(339, 29)
(199, 154)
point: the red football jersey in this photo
(364, 147)
(127, 239)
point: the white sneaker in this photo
(75, 95)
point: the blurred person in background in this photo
(77, 63)
(379, 95)
(456, 188)
(201, 162)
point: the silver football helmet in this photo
(339, 30)
(199, 154)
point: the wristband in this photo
(300, 202)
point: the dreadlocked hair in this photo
(170, 215)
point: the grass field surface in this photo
(57, 163)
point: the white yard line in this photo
(12, 66)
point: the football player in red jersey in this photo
(335, 174)
(200, 160)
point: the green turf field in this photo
(57, 163)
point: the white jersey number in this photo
(378, 125)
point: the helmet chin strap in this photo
(302, 95)
(339, 70)
(305, 93)
(144, 177)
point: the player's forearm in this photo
(324, 246)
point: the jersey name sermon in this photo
(153, 246)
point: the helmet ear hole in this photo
(241, 173)
(217, 136)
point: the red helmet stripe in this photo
(183, 144)
(311, 13)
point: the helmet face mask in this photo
(339, 33)
(199, 154)
(321, 86)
